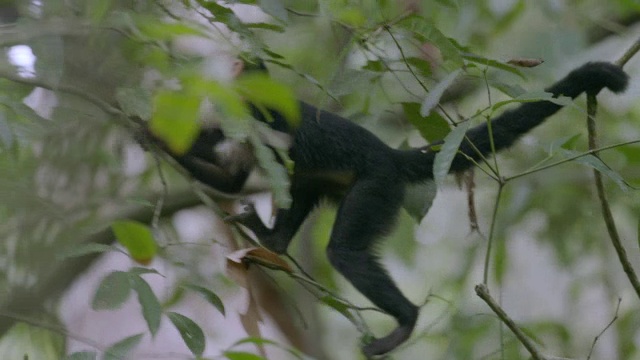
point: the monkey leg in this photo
(367, 213)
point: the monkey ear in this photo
(418, 199)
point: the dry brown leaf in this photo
(260, 256)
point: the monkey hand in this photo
(249, 218)
(248, 215)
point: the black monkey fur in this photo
(337, 159)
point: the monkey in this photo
(222, 164)
(341, 161)
(338, 160)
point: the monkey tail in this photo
(417, 164)
(512, 124)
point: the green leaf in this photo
(419, 198)
(424, 30)
(275, 8)
(375, 66)
(151, 308)
(351, 16)
(98, 9)
(631, 154)
(492, 63)
(122, 348)
(266, 26)
(82, 355)
(512, 90)
(631, 4)
(449, 149)
(267, 93)
(151, 27)
(255, 341)
(276, 173)
(421, 65)
(337, 305)
(153, 57)
(137, 239)
(23, 341)
(432, 128)
(221, 13)
(271, 54)
(113, 291)
(241, 355)
(235, 119)
(135, 102)
(143, 270)
(174, 120)
(225, 16)
(534, 97)
(566, 142)
(262, 341)
(403, 237)
(190, 331)
(208, 295)
(433, 98)
(595, 163)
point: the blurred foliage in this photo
(70, 166)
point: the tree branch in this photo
(616, 241)
(16, 34)
(483, 292)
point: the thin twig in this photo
(21, 34)
(103, 105)
(592, 108)
(494, 216)
(483, 292)
(614, 236)
(415, 76)
(157, 212)
(50, 326)
(595, 340)
(569, 159)
(629, 54)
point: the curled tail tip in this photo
(598, 75)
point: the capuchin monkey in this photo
(338, 160)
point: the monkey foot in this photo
(387, 343)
